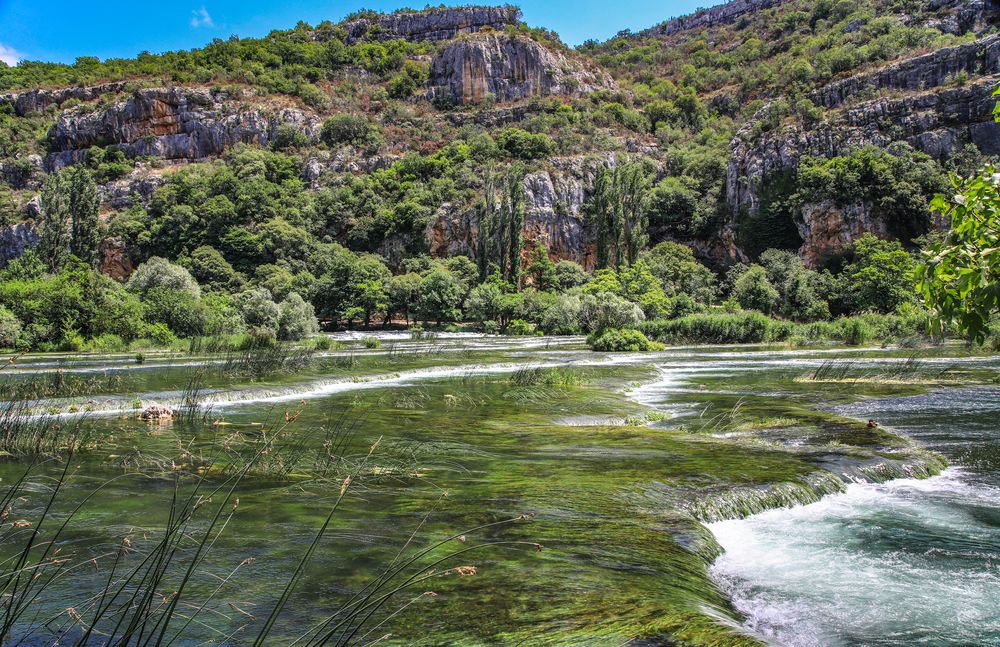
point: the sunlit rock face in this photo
(507, 68)
(171, 123)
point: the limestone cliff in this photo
(721, 14)
(507, 68)
(921, 105)
(170, 123)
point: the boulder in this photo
(156, 413)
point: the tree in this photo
(880, 276)
(161, 273)
(619, 211)
(403, 292)
(211, 269)
(258, 309)
(501, 224)
(297, 319)
(542, 270)
(570, 275)
(85, 235)
(355, 130)
(679, 272)
(54, 238)
(753, 291)
(959, 277)
(440, 294)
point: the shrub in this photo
(10, 328)
(606, 310)
(161, 273)
(353, 130)
(562, 317)
(519, 328)
(737, 328)
(258, 310)
(622, 341)
(372, 343)
(520, 144)
(754, 292)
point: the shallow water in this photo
(902, 563)
(613, 461)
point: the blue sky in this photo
(61, 30)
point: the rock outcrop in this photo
(828, 229)
(32, 101)
(114, 259)
(924, 105)
(919, 73)
(435, 24)
(553, 215)
(15, 240)
(722, 14)
(171, 123)
(507, 68)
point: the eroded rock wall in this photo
(172, 124)
(507, 68)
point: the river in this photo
(608, 486)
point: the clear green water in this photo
(616, 494)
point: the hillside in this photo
(722, 105)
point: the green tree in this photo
(541, 269)
(753, 291)
(54, 235)
(440, 294)
(501, 224)
(680, 272)
(959, 277)
(85, 235)
(879, 277)
(570, 275)
(619, 212)
(403, 292)
(297, 319)
(210, 269)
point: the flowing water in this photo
(906, 562)
(615, 461)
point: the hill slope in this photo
(724, 106)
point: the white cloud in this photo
(9, 55)
(201, 18)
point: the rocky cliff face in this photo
(721, 14)
(553, 215)
(928, 71)
(507, 68)
(927, 111)
(26, 103)
(15, 240)
(170, 123)
(432, 24)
